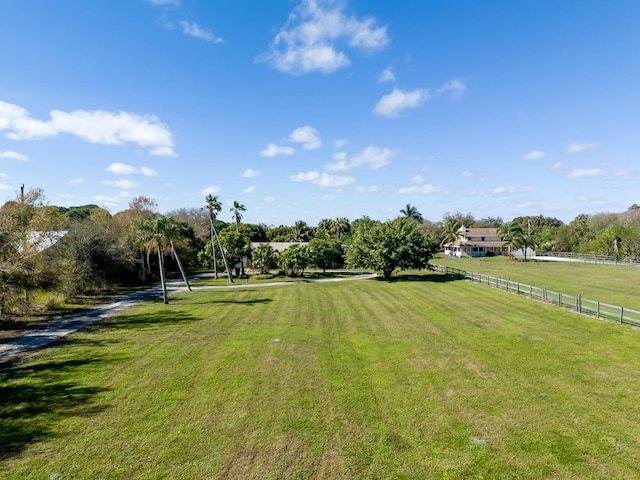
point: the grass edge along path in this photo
(373, 379)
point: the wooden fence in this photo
(576, 303)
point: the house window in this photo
(482, 239)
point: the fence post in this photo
(530, 291)
(518, 287)
(544, 294)
(559, 299)
(507, 284)
(597, 309)
(621, 314)
(578, 303)
(497, 285)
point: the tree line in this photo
(85, 249)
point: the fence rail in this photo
(623, 315)
(592, 258)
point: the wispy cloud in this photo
(249, 173)
(586, 172)
(390, 105)
(322, 179)
(124, 169)
(249, 189)
(556, 166)
(193, 30)
(122, 183)
(10, 154)
(272, 150)
(373, 157)
(340, 143)
(97, 126)
(308, 136)
(210, 190)
(76, 181)
(369, 189)
(534, 155)
(309, 40)
(424, 189)
(504, 190)
(387, 75)
(578, 147)
(455, 87)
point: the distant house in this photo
(475, 242)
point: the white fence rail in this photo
(576, 303)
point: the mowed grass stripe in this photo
(425, 379)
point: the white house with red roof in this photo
(475, 242)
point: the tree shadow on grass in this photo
(35, 396)
(426, 277)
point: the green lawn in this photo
(427, 378)
(617, 285)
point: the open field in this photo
(612, 284)
(421, 377)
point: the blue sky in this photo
(317, 109)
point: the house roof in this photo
(466, 243)
(483, 232)
(277, 246)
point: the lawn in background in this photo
(422, 377)
(613, 284)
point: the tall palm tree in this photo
(340, 225)
(157, 235)
(450, 231)
(410, 211)
(215, 206)
(511, 233)
(237, 210)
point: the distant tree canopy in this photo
(395, 244)
(77, 213)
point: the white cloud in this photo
(456, 87)
(97, 126)
(327, 197)
(273, 150)
(249, 173)
(76, 181)
(308, 41)
(4, 175)
(4, 187)
(124, 169)
(322, 179)
(467, 173)
(424, 189)
(121, 168)
(122, 183)
(374, 157)
(193, 30)
(125, 194)
(340, 143)
(556, 166)
(389, 105)
(148, 172)
(269, 199)
(577, 147)
(209, 190)
(340, 156)
(308, 136)
(534, 155)
(13, 155)
(387, 75)
(586, 172)
(248, 189)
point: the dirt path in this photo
(61, 327)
